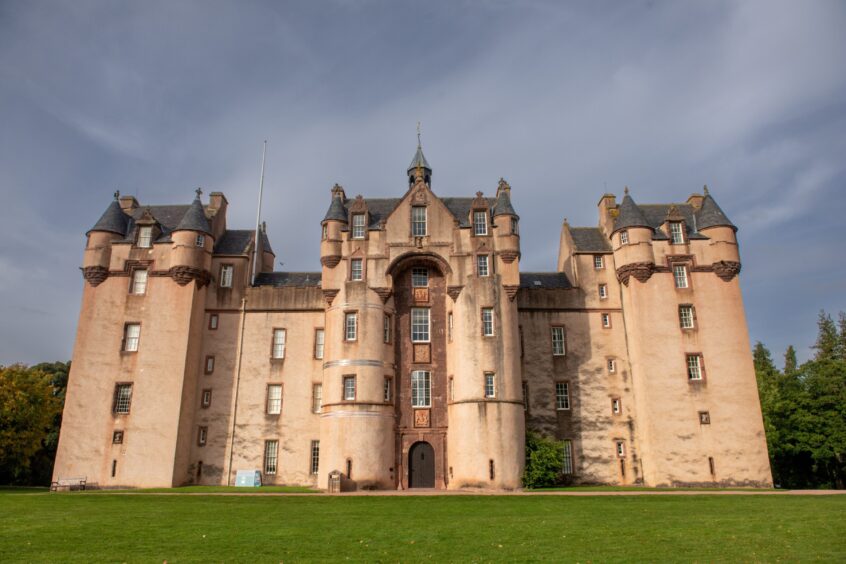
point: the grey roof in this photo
(710, 215)
(629, 215)
(590, 240)
(544, 280)
(239, 242)
(336, 210)
(419, 159)
(381, 208)
(460, 208)
(656, 215)
(503, 205)
(194, 219)
(113, 220)
(289, 279)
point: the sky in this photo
(565, 100)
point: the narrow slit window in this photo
(567, 466)
(271, 450)
(315, 457)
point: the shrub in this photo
(544, 461)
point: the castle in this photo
(419, 355)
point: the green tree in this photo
(827, 337)
(544, 461)
(840, 350)
(769, 380)
(29, 408)
(790, 363)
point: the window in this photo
(567, 466)
(490, 385)
(209, 364)
(612, 365)
(676, 233)
(206, 398)
(420, 277)
(279, 336)
(213, 321)
(315, 457)
(418, 221)
(450, 323)
(624, 237)
(515, 227)
(271, 450)
(680, 275)
(117, 438)
(616, 407)
(421, 389)
(621, 449)
(319, 336)
(226, 275)
(562, 396)
(480, 223)
(349, 468)
(711, 466)
(603, 291)
(358, 226)
(598, 262)
(274, 399)
(420, 325)
(704, 418)
(139, 281)
(482, 265)
(114, 468)
(606, 320)
(356, 269)
(324, 232)
(202, 436)
(522, 344)
(525, 396)
(386, 328)
(145, 237)
(316, 398)
(491, 469)
(387, 390)
(350, 327)
(686, 316)
(123, 398)
(559, 347)
(131, 335)
(200, 241)
(349, 388)
(487, 322)
(694, 367)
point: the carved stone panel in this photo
(422, 353)
(421, 418)
(421, 295)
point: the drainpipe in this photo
(237, 388)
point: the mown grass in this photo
(152, 528)
(212, 489)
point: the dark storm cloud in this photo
(564, 100)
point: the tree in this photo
(544, 461)
(790, 363)
(827, 338)
(840, 350)
(29, 408)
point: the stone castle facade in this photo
(419, 355)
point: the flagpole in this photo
(258, 217)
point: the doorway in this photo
(421, 466)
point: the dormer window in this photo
(480, 223)
(358, 226)
(145, 236)
(418, 221)
(676, 233)
(200, 241)
(624, 237)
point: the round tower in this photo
(631, 240)
(110, 227)
(192, 245)
(722, 251)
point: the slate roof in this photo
(656, 215)
(503, 205)
(381, 208)
(460, 208)
(167, 217)
(238, 241)
(336, 210)
(419, 159)
(590, 240)
(289, 279)
(711, 215)
(113, 220)
(630, 215)
(194, 219)
(544, 281)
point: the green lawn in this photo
(150, 528)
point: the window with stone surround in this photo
(279, 337)
(350, 326)
(694, 367)
(420, 325)
(131, 337)
(612, 365)
(482, 265)
(680, 275)
(480, 223)
(606, 320)
(209, 368)
(274, 399)
(603, 291)
(145, 237)
(676, 233)
(686, 316)
(559, 343)
(562, 396)
(621, 448)
(704, 418)
(139, 281)
(356, 269)
(490, 385)
(420, 277)
(349, 388)
(418, 221)
(202, 435)
(205, 402)
(358, 226)
(122, 398)
(598, 262)
(226, 272)
(421, 388)
(213, 322)
(487, 322)
(271, 453)
(117, 437)
(616, 406)
(386, 328)
(387, 390)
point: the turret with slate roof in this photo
(630, 215)
(419, 162)
(195, 217)
(113, 220)
(711, 215)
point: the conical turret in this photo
(195, 218)
(630, 215)
(711, 215)
(113, 219)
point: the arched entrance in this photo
(421, 466)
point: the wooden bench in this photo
(68, 483)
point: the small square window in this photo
(358, 226)
(349, 388)
(202, 436)
(487, 322)
(603, 291)
(226, 272)
(482, 265)
(213, 321)
(356, 269)
(420, 277)
(704, 418)
(206, 398)
(200, 241)
(598, 262)
(624, 237)
(117, 437)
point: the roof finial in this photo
(705, 189)
(117, 194)
(418, 134)
(199, 192)
(626, 190)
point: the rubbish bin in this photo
(335, 481)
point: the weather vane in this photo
(418, 133)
